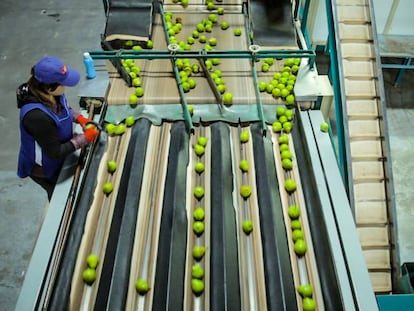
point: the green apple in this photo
(283, 139)
(269, 61)
(197, 272)
(209, 64)
(198, 227)
(120, 129)
(199, 150)
(324, 127)
(202, 140)
(290, 99)
(210, 6)
(150, 44)
(198, 252)
(295, 224)
(192, 83)
(190, 109)
(129, 121)
(294, 212)
(220, 11)
(276, 126)
(190, 40)
(286, 154)
(184, 3)
(280, 111)
(290, 185)
(200, 28)
(197, 286)
(221, 88)
(308, 304)
(139, 91)
(111, 166)
(287, 127)
(202, 39)
(195, 68)
(186, 86)
(265, 67)
(110, 128)
(262, 86)
(208, 27)
(142, 286)
(277, 75)
(287, 164)
(244, 165)
(133, 99)
(284, 92)
(283, 147)
(212, 18)
(92, 261)
(305, 290)
(269, 88)
(300, 247)
(136, 82)
(245, 191)
(247, 226)
(216, 61)
(244, 136)
(283, 119)
(297, 234)
(289, 114)
(199, 214)
(237, 32)
(198, 192)
(107, 188)
(276, 92)
(228, 98)
(199, 167)
(224, 25)
(89, 276)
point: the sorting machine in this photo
(143, 228)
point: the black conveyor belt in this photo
(280, 290)
(173, 230)
(225, 288)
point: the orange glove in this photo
(82, 120)
(91, 132)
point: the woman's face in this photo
(58, 91)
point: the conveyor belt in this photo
(364, 117)
(143, 229)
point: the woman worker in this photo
(46, 122)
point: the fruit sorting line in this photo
(143, 226)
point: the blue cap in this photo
(51, 70)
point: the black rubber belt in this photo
(280, 289)
(170, 269)
(225, 283)
(138, 137)
(323, 254)
(122, 261)
(61, 291)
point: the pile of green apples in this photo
(282, 84)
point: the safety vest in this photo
(31, 153)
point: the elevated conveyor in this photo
(366, 138)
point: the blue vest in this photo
(30, 151)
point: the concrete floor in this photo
(32, 29)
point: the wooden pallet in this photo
(364, 129)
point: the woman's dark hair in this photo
(40, 90)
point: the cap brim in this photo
(72, 78)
